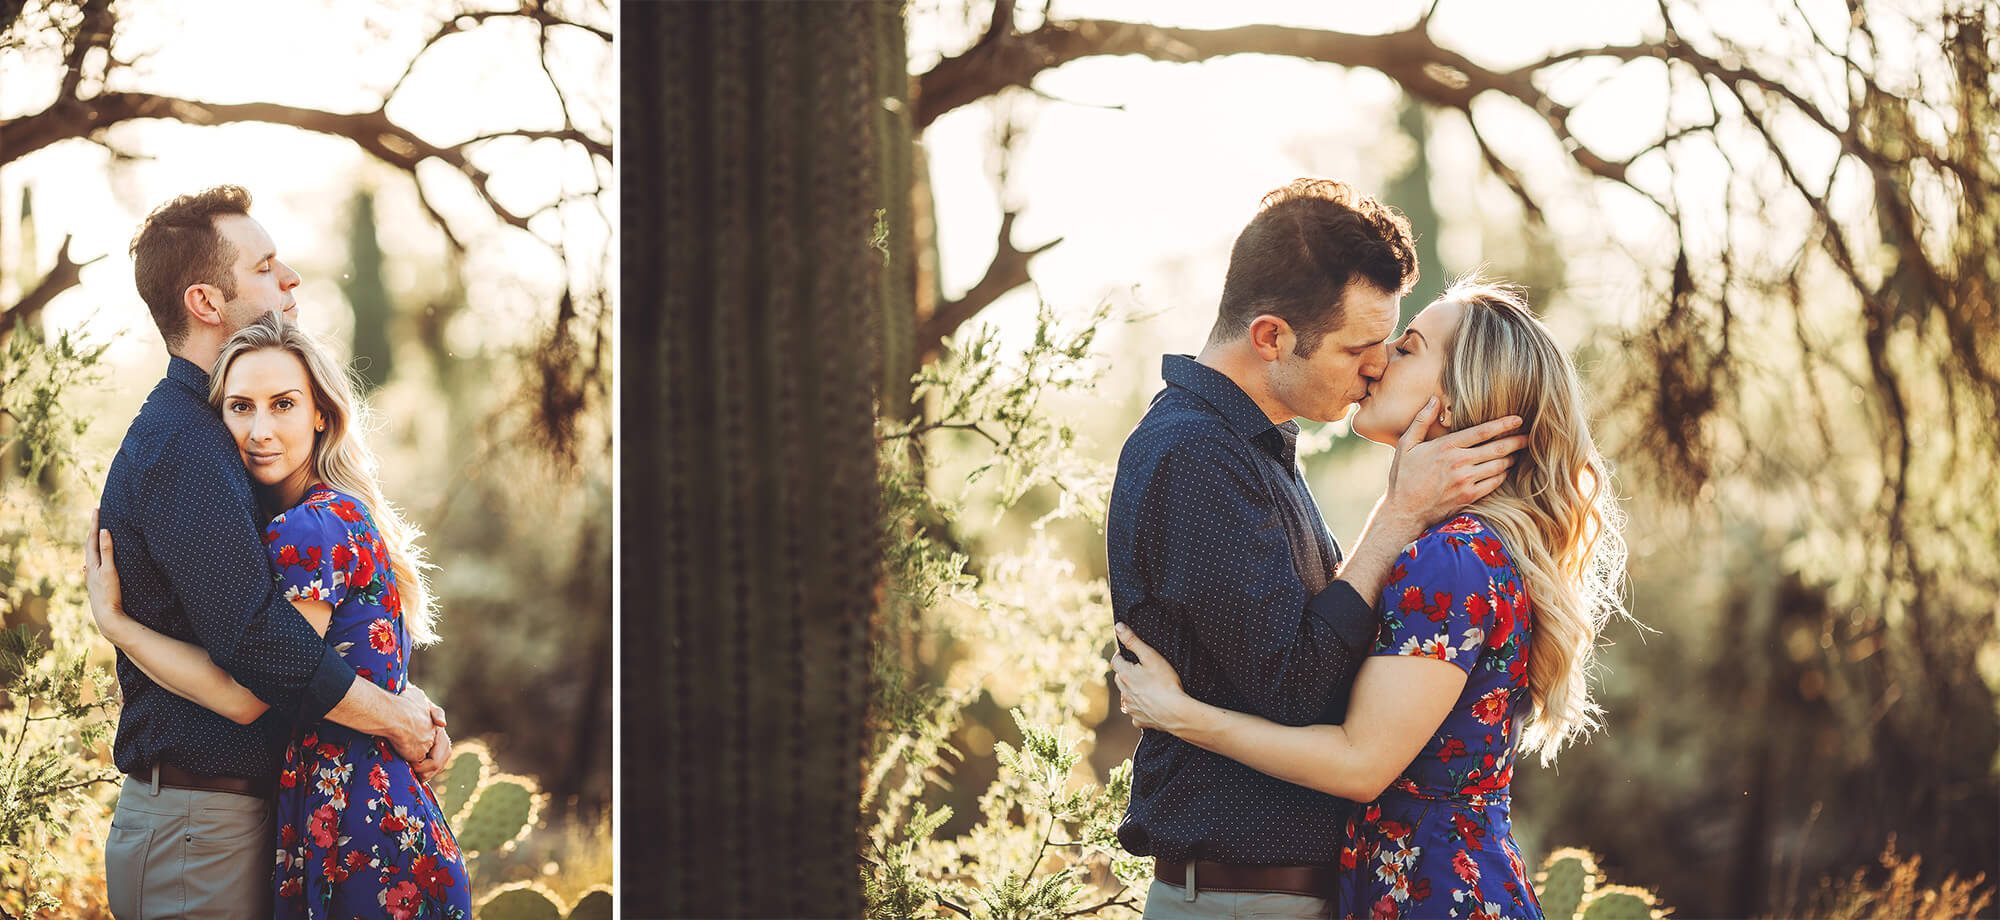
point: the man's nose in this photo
(287, 279)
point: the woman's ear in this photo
(319, 421)
(1444, 417)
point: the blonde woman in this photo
(1489, 627)
(359, 832)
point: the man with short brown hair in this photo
(192, 834)
(1220, 561)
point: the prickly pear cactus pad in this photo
(500, 813)
(595, 904)
(1621, 902)
(523, 901)
(455, 785)
(1567, 875)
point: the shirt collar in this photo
(1237, 409)
(188, 374)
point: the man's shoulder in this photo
(1180, 426)
(172, 428)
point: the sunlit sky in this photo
(339, 56)
(1152, 195)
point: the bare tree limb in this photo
(66, 274)
(1007, 271)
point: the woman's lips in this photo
(260, 459)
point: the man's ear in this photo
(1271, 336)
(203, 302)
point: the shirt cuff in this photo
(330, 683)
(1354, 622)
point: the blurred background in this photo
(1765, 231)
(440, 174)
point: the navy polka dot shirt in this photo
(190, 555)
(1219, 560)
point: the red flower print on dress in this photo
(345, 510)
(1413, 599)
(1477, 607)
(402, 900)
(1451, 748)
(1469, 832)
(434, 877)
(447, 846)
(342, 555)
(1467, 870)
(1393, 830)
(395, 822)
(1464, 523)
(364, 567)
(378, 778)
(309, 558)
(382, 637)
(1492, 707)
(1489, 551)
(331, 869)
(323, 827)
(1440, 606)
(1385, 909)
(292, 887)
(288, 556)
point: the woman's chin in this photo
(1366, 427)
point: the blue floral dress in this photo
(1438, 842)
(358, 834)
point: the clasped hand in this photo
(1149, 690)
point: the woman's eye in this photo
(239, 407)
(284, 404)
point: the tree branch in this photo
(1008, 270)
(65, 275)
(373, 131)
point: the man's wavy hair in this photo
(178, 247)
(1309, 240)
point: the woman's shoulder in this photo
(1460, 544)
(323, 509)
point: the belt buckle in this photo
(1188, 890)
(156, 777)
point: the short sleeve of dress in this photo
(1440, 597)
(311, 554)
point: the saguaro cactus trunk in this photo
(753, 282)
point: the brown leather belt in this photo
(174, 777)
(1310, 881)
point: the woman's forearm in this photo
(186, 671)
(1320, 757)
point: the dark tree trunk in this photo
(751, 330)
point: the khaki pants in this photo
(1169, 902)
(189, 855)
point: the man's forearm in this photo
(1366, 569)
(372, 710)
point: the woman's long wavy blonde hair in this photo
(340, 455)
(1554, 513)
